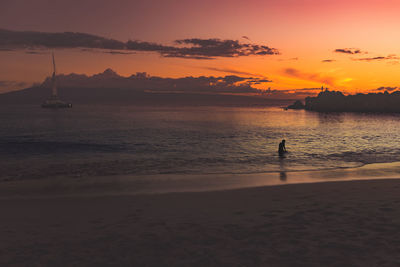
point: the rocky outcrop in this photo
(296, 105)
(336, 101)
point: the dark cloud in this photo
(233, 71)
(389, 89)
(211, 48)
(148, 46)
(328, 60)
(30, 39)
(103, 51)
(253, 79)
(389, 57)
(118, 52)
(194, 48)
(259, 81)
(231, 79)
(348, 50)
(246, 37)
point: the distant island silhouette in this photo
(336, 101)
(141, 89)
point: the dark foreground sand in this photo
(324, 224)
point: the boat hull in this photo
(54, 102)
(56, 105)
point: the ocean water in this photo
(90, 141)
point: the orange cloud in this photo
(313, 77)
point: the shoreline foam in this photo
(171, 183)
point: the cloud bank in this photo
(141, 81)
(193, 48)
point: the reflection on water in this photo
(282, 176)
(282, 169)
(334, 117)
(96, 141)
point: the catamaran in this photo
(54, 101)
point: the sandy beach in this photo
(351, 223)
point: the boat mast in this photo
(53, 79)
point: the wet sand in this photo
(351, 223)
(117, 185)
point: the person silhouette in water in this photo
(282, 148)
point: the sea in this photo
(108, 141)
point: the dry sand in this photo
(352, 223)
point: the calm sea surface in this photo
(106, 140)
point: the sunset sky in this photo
(345, 45)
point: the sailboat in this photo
(54, 101)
